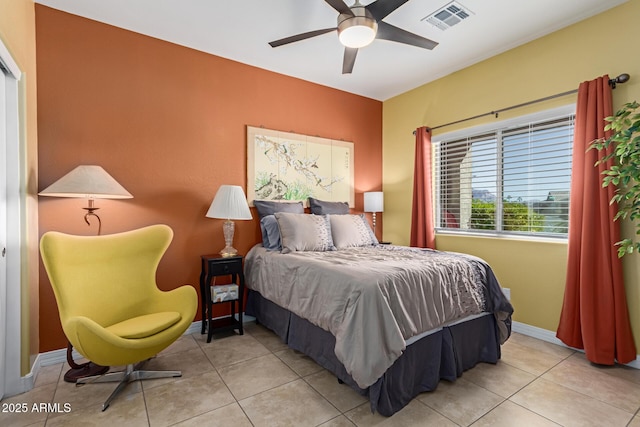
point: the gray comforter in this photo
(374, 299)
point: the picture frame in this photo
(286, 166)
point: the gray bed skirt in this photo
(444, 354)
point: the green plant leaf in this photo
(619, 154)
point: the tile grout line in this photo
(303, 378)
(538, 377)
(584, 394)
(321, 395)
(534, 412)
(146, 409)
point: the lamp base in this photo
(91, 211)
(228, 251)
(228, 228)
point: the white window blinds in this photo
(510, 180)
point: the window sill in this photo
(503, 236)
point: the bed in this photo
(389, 321)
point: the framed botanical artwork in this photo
(289, 166)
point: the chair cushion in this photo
(145, 326)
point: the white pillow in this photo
(303, 232)
(351, 230)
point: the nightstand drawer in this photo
(220, 268)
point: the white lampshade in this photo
(229, 203)
(373, 201)
(88, 181)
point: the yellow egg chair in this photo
(110, 307)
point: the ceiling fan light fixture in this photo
(357, 35)
(358, 26)
(357, 30)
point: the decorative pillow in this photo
(351, 230)
(300, 232)
(269, 207)
(270, 233)
(320, 207)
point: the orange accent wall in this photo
(169, 123)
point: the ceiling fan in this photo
(359, 25)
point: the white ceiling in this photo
(240, 30)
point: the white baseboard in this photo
(550, 336)
(535, 332)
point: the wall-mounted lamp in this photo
(374, 202)
(89, 182)
(229, 203)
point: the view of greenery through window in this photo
(517, 216)
(513, 180)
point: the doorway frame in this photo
(14, 382)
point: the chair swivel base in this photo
(130, 374)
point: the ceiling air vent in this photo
(448, 16)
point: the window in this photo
(514, 179)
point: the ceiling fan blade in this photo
(340, 6)
(395, 34)
(349, 59)
(299, 37)
(382, 8)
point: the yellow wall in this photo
(17, 31)
(535, 271)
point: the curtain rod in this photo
(622, 78)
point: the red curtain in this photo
(594, 312)
(422, 224)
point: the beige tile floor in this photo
(255, 380)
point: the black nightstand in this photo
(217, 265)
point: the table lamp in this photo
(229, 204)
(373, 202)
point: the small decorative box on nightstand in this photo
(221, 293)
(213, 266)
